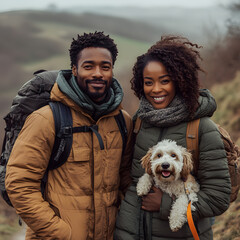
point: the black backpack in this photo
(33, 95)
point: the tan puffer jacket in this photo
(83, 194)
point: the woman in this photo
(165, 79)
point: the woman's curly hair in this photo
(96, 39)
(180, 58)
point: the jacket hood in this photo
(207, 104)
(63, 92)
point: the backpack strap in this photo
(137, 125)
(63, 131)
(192, 141)
(122, 127)
(94, 129)
(63, 134)
(63, 139)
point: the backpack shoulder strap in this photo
(137, 125)
(122, 127)
(63, 134)
(192, 141)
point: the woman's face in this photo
(158, 87)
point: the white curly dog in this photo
(168, 166)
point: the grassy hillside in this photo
(228, 111)
(191, 22)
(226, 226)
(8, 221)
(227, 115)
(115, 25)
(34, 36)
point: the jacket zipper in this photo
(162, 133)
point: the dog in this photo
(168, 166)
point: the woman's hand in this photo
(152, 201)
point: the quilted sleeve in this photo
(212, 174)
(26, 167)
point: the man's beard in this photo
(96, 95)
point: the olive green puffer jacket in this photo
(213, 177)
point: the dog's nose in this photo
(165, 165)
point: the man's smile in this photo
(96, 83)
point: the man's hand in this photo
(152, 201)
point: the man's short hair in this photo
(96, 39)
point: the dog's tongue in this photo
(166, 174)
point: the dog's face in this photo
(168, 161)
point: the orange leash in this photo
(191, 223)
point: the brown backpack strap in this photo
(137, 125)
(192, 141)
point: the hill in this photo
(191, 22)
(226, 226)
(129, 28)
(227, 115)
(228, 112)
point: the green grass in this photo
(128, 49)
(6, 230)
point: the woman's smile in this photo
(159, 99)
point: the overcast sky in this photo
(42, 4)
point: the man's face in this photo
(94, 72)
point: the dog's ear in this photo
(146, 163)
(187, 164)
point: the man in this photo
(82, 195)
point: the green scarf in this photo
(72, 90)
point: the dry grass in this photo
(228, 115)
(8, 221)
(228, 112)
(226, 226)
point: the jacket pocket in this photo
(78, 169)
(79, 154)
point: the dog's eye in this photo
(173, 155)
(159, 155)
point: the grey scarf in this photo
(173, 114)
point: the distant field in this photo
(62, 34)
